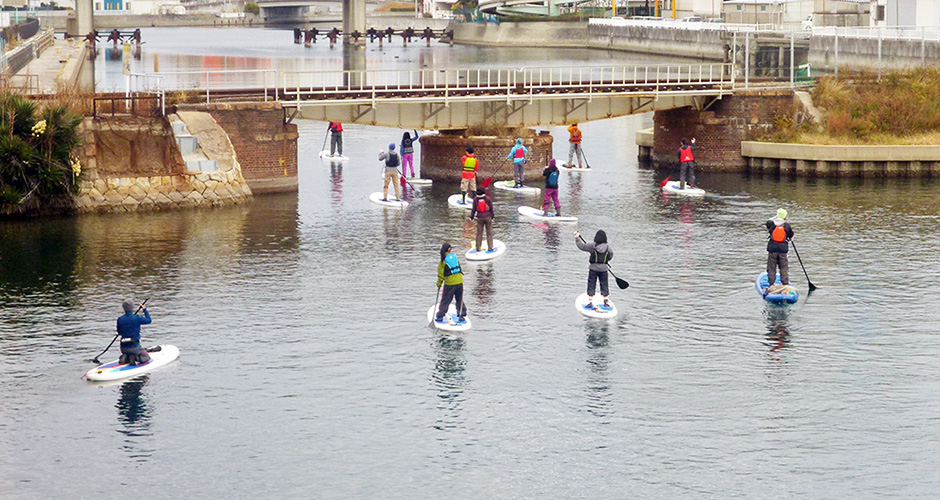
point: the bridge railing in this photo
(513, 82)
(258, 83)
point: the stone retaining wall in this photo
(441, 153)
(841, 161)
(534, 34)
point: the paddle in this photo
(402, 180)
(621, 283)
(436, 298)
(664, 182)
(95, 360)
(486, 182)
(586, 162)
(811, 285)
(327, 136)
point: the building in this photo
(892, 13)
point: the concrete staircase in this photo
(195, 159)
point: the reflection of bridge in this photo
(461, 98)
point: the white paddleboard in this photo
(672, 187)
(599, 311)
(537, 213)
(117, 371)
(325, 155)
(450, 322)
(572, 168)
(420, 182)
(454, 201)
(510, 186)
(484, 253)
(376, 198)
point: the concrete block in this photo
(179, 128)
(188, 144)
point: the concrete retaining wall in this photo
(862, 53)
(704, 44)
(441, 153)
(841, 161)
(535, 34)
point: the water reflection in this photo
(553, 238)
(778, 331)
(599, 394)
(336, 185)
(134, 414)
(39, 256)
(449, 378)
(485, 286)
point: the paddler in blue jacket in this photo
(128, 326)
(450, 275)
(778, 244)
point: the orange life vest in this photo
(779, 234)
(336, 127)
(686, 154)
(575, 135)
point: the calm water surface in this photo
(307, 368)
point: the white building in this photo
(892, 13)
(775, 12)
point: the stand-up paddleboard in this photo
(572, 168)
(451, 321)
(672, 187)
(454, 201)
(419, 182)
(511, 186)
(537, 213)
(785, 295)
(325, 155)
(486, 254)
(598, 311)
(160, 355)
(391, 203)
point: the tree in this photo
(252, 8)
(37, 164)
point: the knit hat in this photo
(128, 305)
(551, 163)
(600, 237)
(391, 147)
(519, 140)
(781, 214)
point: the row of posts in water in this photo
(114, 36)
(309, 37)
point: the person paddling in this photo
(687, 163)
(392, 161)
(551, 188)
(450, 275)
(517, 153)
(468, 177)
(336, 138)
(780, 234)
(128, 327)
(597, 271)
(482, 211)
(574, 146)
(407, 153)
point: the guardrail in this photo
(482, 83)
(913, 33)
(135, 105)
(677, 24)
(218, 83)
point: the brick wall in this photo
(719, 130)
(265, 145)
(441, 153)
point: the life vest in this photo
(597, 259)
(392, 160)
(470, 164)
(451, 266)
(779, 234)
(685, 154)
(518, 152)
(336, 127)
(575, 135)
(482, 205)
(406, 146)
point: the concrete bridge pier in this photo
(354, 61)
(354, 19)
(84, 17)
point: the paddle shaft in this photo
(325, 138)
(437, 298)
(811, 285)
(586, 162)
(95, 360)
(623, 284)
(404, 179)
(486, 182)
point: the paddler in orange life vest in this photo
(777, 247)
(468, 177)
(336, 138)
(686, 163)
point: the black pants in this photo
(774, 260)
(452, 292)
(686, 174)
(593, 277)
(133, 354)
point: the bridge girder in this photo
(463, 114)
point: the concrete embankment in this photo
(872, 53)
(547, 34)
(699, 43)
(841, 161)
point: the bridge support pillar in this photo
(354, 62)
(84, 17)
(354, 19)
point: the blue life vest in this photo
(451, 266)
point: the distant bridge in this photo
(461, 98)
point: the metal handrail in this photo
(268, 84)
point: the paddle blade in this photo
(622, 283)
(664, 182)
(485, 183)
(401, 180)
(812, 287)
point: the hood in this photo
(777, 221)
(600, 247)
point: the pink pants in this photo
(407, 160)
(551, 195)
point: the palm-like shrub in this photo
(37, 163)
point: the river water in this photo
(307, 368)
